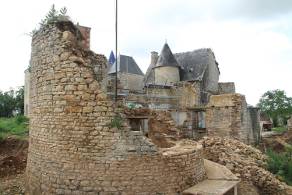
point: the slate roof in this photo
(112, 58)
(193, 64)
(149, 76)
(166, 57)
(126, 64)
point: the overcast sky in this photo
(251, 39)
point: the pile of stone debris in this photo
(246, 162)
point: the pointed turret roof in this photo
(166, 57)
(112, 58)
(126, 64)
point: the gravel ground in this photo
(12, 185)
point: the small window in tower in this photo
(201, 121)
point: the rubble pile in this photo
(246, 162)
(136, 112)
(13, 154)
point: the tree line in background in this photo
(12, 102)
(277, 105)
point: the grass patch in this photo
(16, 126)
(279, 129)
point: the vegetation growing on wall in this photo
(116, 122)
(52, 17)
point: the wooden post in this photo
(116, 79)
(235, 190)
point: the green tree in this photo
(11, 101)
(7, 103)
(19, 100)
(276, 104)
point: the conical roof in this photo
(166, 57)
(126, 64)
(112, 58)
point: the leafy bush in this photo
(279, 129)
(21, 119)
(281, 164)
(117, 122)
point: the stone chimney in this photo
(85, 31)
(154, 57)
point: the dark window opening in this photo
(199, 120)
(139, 124)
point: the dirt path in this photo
(13, 155)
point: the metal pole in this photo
(116, 29)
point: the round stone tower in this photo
(74, 146)
(166, 70)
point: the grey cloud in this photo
(254, 9)
(177, 11)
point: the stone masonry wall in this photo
(132, 82)
(227, 116)
(227, 87)
(72, 149)
(179, 97)
(254, 113)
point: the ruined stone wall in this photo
(181, 96)
(227, 116)
(72, 149)
(166, 75)
(254, 113)
(132, 82)
(162, 129)
(85, 32)
(227, 87)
